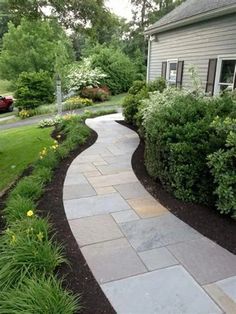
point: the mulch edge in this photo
(208, 221)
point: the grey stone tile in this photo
(125, 216)
(73, 178)
(113, 179)
(229, 287)
(76, 191)
(158, 258)
(205, 260)
(166, 291)
(95, 205)
(147, 234)
(115, 168)
(112, 260)
(221, 298)
(132, 190)
(95, 229)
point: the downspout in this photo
(148, 59)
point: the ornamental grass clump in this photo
(39, 295)
(27, 250)
(29, 188)
(17, 208)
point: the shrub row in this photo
(28, 253)
(190, 144)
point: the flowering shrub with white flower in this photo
(83, 75)
(50, 122)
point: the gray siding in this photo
(195, 45)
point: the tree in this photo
(33, 46)
(4, 18)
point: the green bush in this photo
(39, 295)
(119, 69)
(157, 85)
(26, 250)
(34, 89)
(179, 137)
(222, 164)
(136, 87)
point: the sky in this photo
(120, 7)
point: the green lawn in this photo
(5, 88)
(19, 148)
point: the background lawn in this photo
(5, 88)
(19, 148)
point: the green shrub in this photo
(132, 104)
(27, 250)
(136, 87)
(179, 137)
(34, 89)
(76, 103)
(222, 164)
(158, 85)
(119, 68)
(28, 188)
(39, 295)
(42, 174)
(17, 208)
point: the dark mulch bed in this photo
(77, 275)
(221, 229)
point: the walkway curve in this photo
(144, 258)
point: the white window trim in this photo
(168, 69)
(218, 71)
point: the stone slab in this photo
(166, 291)
(76, 191)
(131, 190)
(95, 229)
(147, 207)
(229, 287)
(205, 260)
(221, 298)
(158, 258)
(75, 178)
(112, 260)
(125, 216)
(90, 174)
(147, 234)
(95, 205)
(113, 179)
(105, 190)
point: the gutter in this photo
(191, 20)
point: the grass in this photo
(5, 88)
(20, 147)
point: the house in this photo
(199, 33)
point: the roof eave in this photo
(193, 19)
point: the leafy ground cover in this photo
(18, 148)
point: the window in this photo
(225, 74)
(171, 73)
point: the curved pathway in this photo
(145, 259)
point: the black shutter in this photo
(211, 75)
(179, 74)
(235, 80)
(164, 69)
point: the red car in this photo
(6, 103)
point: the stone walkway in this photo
(145, 259)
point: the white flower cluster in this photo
(50, 122)
(83, 75)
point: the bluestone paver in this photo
(125, 216)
